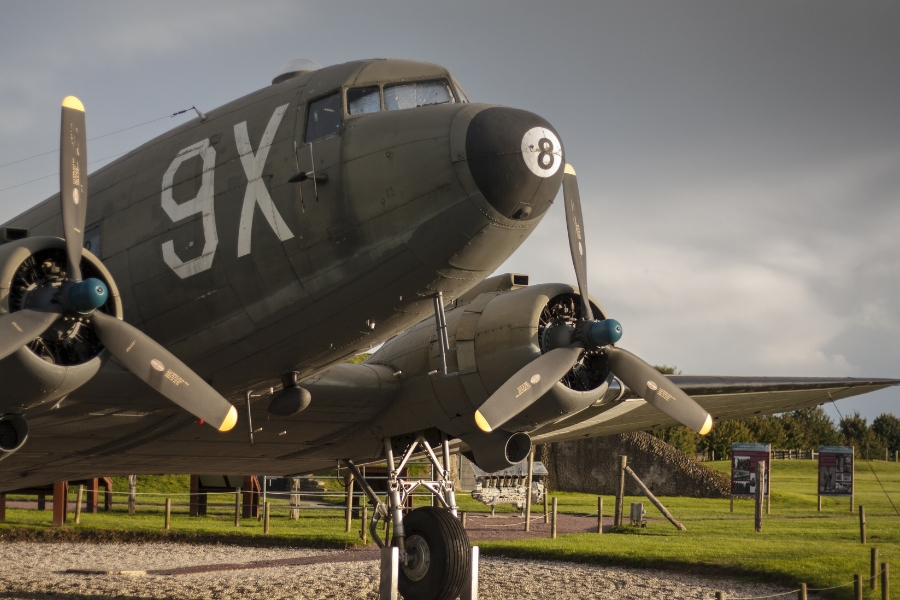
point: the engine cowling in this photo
(494, 335)
(68, 354)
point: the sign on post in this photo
(836, 471)
(743, 468)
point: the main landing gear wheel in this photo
(438, 555)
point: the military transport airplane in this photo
(221, 274)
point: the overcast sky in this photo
(739, 162)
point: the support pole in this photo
(857, 587)
(365, 530)
(820, 504)
(463, 519)
(655, 502)
(720, 595)
(553, 520)
(599, 514)
(237, 508)
(885, 582)
(760, 474)
(168, 514)
(873, 569)
(266, 518)
(394, 494)
(862, 524)
(801, 595)
(132, 492)
(620, 493)
(349, 482)
(60, 503)
(78, 504)
(528, 490)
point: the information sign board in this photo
(836, 471)
(744, 458)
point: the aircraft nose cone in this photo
(516, 158)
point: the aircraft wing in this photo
(724, 397)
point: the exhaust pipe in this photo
(497, 450)
(13, 433)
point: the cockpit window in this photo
(417, 93)
(324, 117)
(363, 100)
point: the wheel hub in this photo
(418, 558)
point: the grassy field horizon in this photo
(797, 543)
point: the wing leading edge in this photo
(724, 397)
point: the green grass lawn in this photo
(797, 544)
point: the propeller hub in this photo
(606, 332)
(88, 295)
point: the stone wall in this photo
(591, 465)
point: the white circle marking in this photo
(652, 385)
(542, 151)
(535, 379)
(157, 365)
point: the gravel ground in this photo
(33, 571)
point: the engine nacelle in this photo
(68, 354)
(496, 330)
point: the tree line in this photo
(803, 429)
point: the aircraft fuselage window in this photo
(363, 100)
(324, 117)
(417, 93)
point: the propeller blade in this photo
(522, 389)
(73, 181)
(657, 390)
(21, 327)
(163, 372)
(575, 225)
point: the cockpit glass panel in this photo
(324, 117)
(417, 93)
(363, 100)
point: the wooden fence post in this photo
(862, 524)
(857, 587)
(266, 518)
(546, 500)
(873, 569)
(720, 595)
(528, 490)
(820, 504)
(78, 504)
(168, 514)
(801, 595)
(620, 493)
(599, 514)
(553, 520)
(885, 582)
(237, 508)
(654, 500)
(463, 519)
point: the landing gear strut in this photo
(435, 557)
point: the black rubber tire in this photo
(448, 547)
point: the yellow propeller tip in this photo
(569, 169)
(482, 422)
(73, 102)
(707, 426)
(229, 421)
